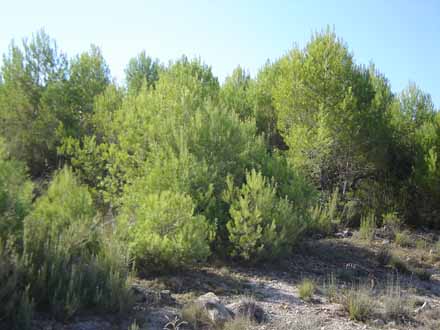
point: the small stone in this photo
(216, 311)
(379, 322)
(249, 309)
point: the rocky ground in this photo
(335, 266)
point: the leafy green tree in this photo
(32, 73)
(142, 70)
(415, 124)
(89, 77)
(262, 96)
(235, 94)
(323, 102)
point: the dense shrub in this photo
(162, 230)
(262, 224)
(71, 264)
(16, 306)
(15, 196)
(66, 203)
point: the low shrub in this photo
(249, 308)
(197, 317)
(162, 231)
(70, 263)
(306, 289)
(392, 220)
(262, 225)
(403, 239)
(330, 288)
(16, 305)
(134, 326)
(367, 227)
(324, 218)
(359, 304)
(398, 264)
(396, 307)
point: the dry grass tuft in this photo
(238, 323)
(197, 317)
(306, 289)
(396, 306)
(403, 239)
(359, 304)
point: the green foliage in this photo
(330, 288)
(398, 264)
(33, 76)
(162, 231)
(262, 94)
(44, 99)
(192, 167)
(66, 203)
(323, 103)
(359, 304)
(142, 70)
(70, 263)
(262, 224)
(16, 302)
(415, 125)
(392, 220)
(89, 76)
(15, 196)
(197, 316)
(395, 305)
(72, 277)
(235, 94)
(403, 239)
(324, 218)
(368, 227)
(306, 289)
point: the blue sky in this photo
(401, 37)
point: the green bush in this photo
(306, 289)
(65, 283)
(262, 225)
(398, 264)
(16, 307)
(65, 203)
(70, 263)
(359, 304)
(15, 196)
(162, 230)
(324, 218)
(403, 239)
(396, 305)
(368, 227)
(392, 220)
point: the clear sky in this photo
(401, 37)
